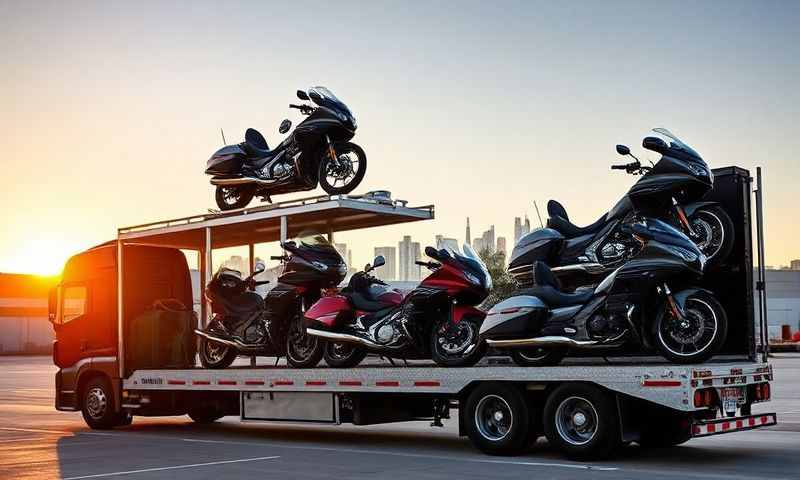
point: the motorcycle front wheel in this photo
(302, 350)
(342, 175)
(713, 233)
(233, 197)
(454, 345)
(696, 337)
(216, 355)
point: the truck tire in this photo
(497, 419)
(582, 421)
(97, 405)
(204, 414)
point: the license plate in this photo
(732, 397)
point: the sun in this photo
(40, 256)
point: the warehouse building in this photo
(23, 314)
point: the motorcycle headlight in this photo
(700, 170)
(472, 278)
(353, 121)
(342, 116)
(319, 266)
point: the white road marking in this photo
(174, 467)
(9, 440)
(413, 455)
(35, 430)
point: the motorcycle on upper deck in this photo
(671, 190)
(317, 151)
(438, 319)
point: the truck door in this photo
(81, 327)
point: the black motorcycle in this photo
(671, 190)
(245, 324)
(649, 301)
(318, 151)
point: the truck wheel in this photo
(343, 355)
(582, 421)
(204, 414)
(216, 355)
(497, 419)
(97, 405)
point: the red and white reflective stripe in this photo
(721, 426)
(348, 383)
(661, 383)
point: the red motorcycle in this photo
(438, 319)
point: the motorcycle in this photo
(671, 190)
(318, 151)
(244, 323)
(438, 319)
(648, 301)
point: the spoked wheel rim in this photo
(709, 232)
(96, 402)
(340, 173)
(692, 334)
(453, 340)
(215, 352)
(301, 344)
(576, 421)
(533, 354)
(493, 417)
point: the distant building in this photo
(794, 265)
(237, 262)
(501, 245)
(783, 300)
(486, 242)
(521, 229)
(24, 327)
(469, 235)
(346, 254)
(408, 253)
(388, 272)
(444, 242)
(477, 244)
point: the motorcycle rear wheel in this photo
(343, 355)
(215, 355)
(448, 346)
(350, 171)
(231, 198)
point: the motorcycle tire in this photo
(211, 357)
(340, 148)
(539, 357)
(243, 196)
(444, 359)
(346, 356)
(711, 218)
(302, 349)
(703, 304)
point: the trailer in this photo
(585, 407)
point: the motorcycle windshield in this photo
(678, 144)
(473, 263)
(325, 98)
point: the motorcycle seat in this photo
(559, 221)
(362, 302)
(255, 144)
(548, 289)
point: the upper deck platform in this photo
(276, 221)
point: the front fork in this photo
(673, 305)
(332, 151)
(682, 217)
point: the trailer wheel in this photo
(582, 421)
(204, 414)
(97, 405)
(497, 419)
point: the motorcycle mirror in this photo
(367, 267)
(378, 262)
(285, 126)
(431, 252)
(302, 95)
(623, 150)
(258, 271)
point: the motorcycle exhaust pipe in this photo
(554, 341)
(228, 342)
(342, 337)
(228, 182)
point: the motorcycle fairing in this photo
(329, 311)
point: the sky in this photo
(109, 110)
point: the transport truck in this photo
(113, 365)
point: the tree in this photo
(503, 284)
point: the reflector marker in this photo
(226, 382)
(315, 383)
(350, 383)
(426, 383)
(176, 382)
(387, 383)
(283, 383)
(254, 382)
(201, 382)
(661, 383)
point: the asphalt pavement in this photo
(36, 441)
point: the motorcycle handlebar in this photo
(299, 107)
(278, 257)
(619, 167)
